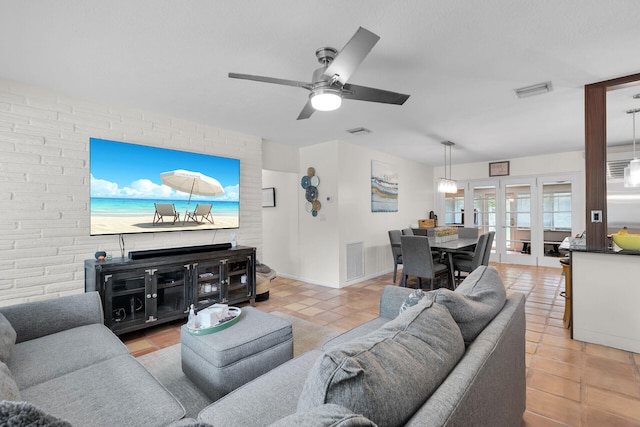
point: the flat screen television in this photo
(140, 189)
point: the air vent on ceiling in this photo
(533, 90)
(359, 131)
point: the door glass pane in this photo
(484, 209)
(518, 219)
(556, 216)
(454, 208)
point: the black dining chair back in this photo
(417, 261)
(464, 263)
(396, 250)
(407, 232)
(487, 250)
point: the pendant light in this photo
(447, 184)
(632, 172)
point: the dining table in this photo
(450, 248)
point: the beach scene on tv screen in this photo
(138, 189)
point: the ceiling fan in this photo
(329, 83)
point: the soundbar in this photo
(152, 253)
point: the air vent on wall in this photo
(615, 168)
(355, 260)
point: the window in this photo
(454, 208)
(557, 210)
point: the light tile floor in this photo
(569, 383)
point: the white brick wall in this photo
(44, 186)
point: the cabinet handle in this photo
(155, 295)
(148, 296)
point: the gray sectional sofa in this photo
(444, 358)
(65, 364)
(454, 358)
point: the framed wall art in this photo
(269, 197)
(384, 187)
(499, 168)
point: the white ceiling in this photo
(459, 61)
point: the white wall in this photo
(44, 185)
(280, 246)
(345, 177)
(523, 166)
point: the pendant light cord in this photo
(634, 135)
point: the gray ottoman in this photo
(223, 361)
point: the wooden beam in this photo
(595, 157)
(595, 106)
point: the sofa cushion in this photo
(475, 302)
(7, 338)
(26, 414)
(387, 374)
(328, 415)
(8, 387)
(41, 359)
(115, 392)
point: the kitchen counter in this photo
(605, 297)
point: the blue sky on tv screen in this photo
(123, 170)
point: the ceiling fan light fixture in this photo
(326, 99)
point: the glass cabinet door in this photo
(239, 282)
(207, 286)
(125, 299)
(169, 296)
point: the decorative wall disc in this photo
(311, 193)
(309, 183)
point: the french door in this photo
(531, 215)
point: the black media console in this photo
(156, 286)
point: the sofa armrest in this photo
(391, 300)
(39, 318)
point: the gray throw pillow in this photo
(387, 374)
(7, 338)
(328, 415)
(8, 387)
(27, 414)
(475, 302)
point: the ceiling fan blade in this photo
(307, 111)
(351, 55)
(274, 80)
(363, 93)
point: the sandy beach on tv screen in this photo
(141, 224)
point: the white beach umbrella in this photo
(192, 183)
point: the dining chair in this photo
(487, 251)
(407, 232)
(466, 263)
(418, 261)
(396, 250)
